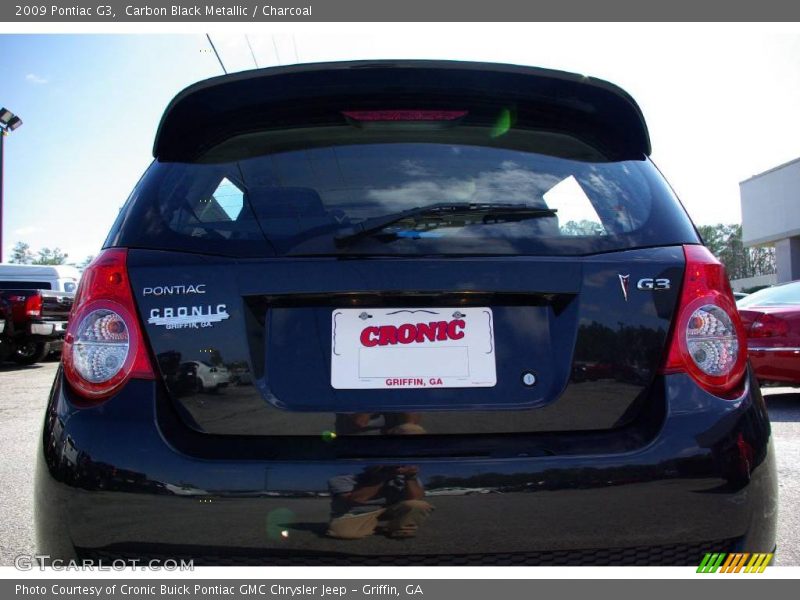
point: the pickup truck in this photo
(32, 323)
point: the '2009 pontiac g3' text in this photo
(405, 313)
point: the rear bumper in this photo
(113, 481)
(55, 329)
(41, 331)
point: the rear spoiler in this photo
(217, 109)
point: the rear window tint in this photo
(24, 285)
(299, 202)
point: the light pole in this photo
(8, 123)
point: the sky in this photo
(721, 103)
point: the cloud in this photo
(27, 230)
(510, 183)
(413, 168)
(34, 78)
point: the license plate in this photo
(391, 348)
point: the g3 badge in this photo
(648, 283)
(644, 284)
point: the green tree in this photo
(725, 242)
(51, 257)
(21, 254)
(85, 262)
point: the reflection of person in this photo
(403, 423)
(378, 424)
(380, 498)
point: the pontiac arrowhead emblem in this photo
(623, 283)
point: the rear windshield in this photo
(24, 285)
(402, 199)
(782, 295)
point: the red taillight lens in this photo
(707, 339)
(33, 305)
(766, 326)
(104, 347)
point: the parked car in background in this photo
(33, 323)
(58, 278)
(35, 301)
(740, 295)
(203, 377)
(5, 344)
(407, 257)
(771, 318)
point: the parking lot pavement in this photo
(24, 390)
(23, 394)
(784, 412)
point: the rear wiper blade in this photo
(376, 224)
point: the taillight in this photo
(33, 305)
(103, 346)
(707, 339)
(767, 325)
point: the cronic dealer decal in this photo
(188, 317)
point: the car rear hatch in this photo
(570, 352)
(398, 248)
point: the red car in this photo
(771, 318)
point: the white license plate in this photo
(391, 348)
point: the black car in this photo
(463, 318)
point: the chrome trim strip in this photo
(775, 349)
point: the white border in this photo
(410, 574)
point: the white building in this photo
(771, 215)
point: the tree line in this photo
(725, 242)
(22, 254)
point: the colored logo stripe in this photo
(711, 563)
(734, 562)
(758, 563)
